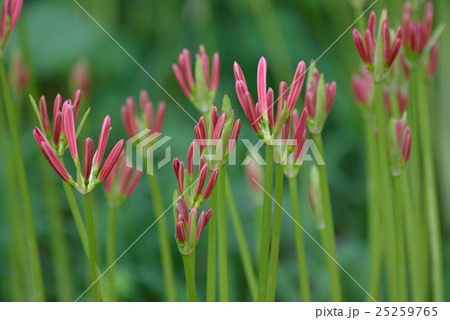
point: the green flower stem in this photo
(166, 256)
(189, 270)
(32, 244)
(374, 215)
(222, 237)
(412, 226)
(385, 193)
(60, 249)
(111, 252)
(416, 181)
(246, 258)
(430, 192)
(299, 242)
(276, 230)
(265, 226)
(329, 237)
(212, 239)
(400, 240)
(92, 247)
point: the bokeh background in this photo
(53, 35)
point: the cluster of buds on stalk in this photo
(315, 198)
(362, 87)
(419, 41)
(10, 14)
(261, 115)
(57, 139)
(291, 150)
(376, 51)
(188, 229)
(190, 190)
(395, 102)
(217, 135)
(198, 86)
(319, 99)
(120, 182)
(91, 175)
(134, 123)
(399, 146)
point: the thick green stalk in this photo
(330, 241)
(166, 256)
(92, 247)
(299, 242)
(400, 240)
(276, 230)
(111, 252)
(222, 237)
(430, 192)
(212, 239)
(413, 245)
(189, 270)
(244, 251)
(385, 193)
(33, 250)
(374, 215)
(265, 225)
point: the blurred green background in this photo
(53, 35)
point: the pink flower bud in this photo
(406, 150)
(102, 141)
(282, 98)
(44, 114)
(270, 99)
(433, 60)
(201, 179)
(360, 46)
(261, 84)
(160, 116)
(239, 75)
(57, 128)
(50, 155)
(297, 84)
(330, 92)
(190, 160)
(185, 63)
(76, 102)
(178, 74)
(211, 183)
(180, 233)
(234, 135)
(133, 183)
(192, 219)
(218, 128)
(69, 127)
(205, 63)
(57, 106)
(111, 160)
(215, 72)
(371, 26)
(88, 156)
(125, 177)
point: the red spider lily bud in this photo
(50, 155)
(211, 183)
(371, 25)
(296, 86)
(234, 135)
(406, 150)
(417, 33)
(160, 116)
(205, 63)
(133, 183)
(330, 92)
(403, 100)
(282, 98)
(179, 75)
(103, 140)
(360, 46)
(57, 128)
(270, 99)
(190, 160)
(201, 179)
(182, 210)
(76, 102)
(180, 232)
(215, 72)
(126, 174)
(10, 14)
(262, 86)
(69, 128)
(88, 156)
(111, 160)
(369, 47)
(300, 125)
(393, 52)
(239, 75)
(57, 106)
(178, 168)
(218, 127)
(44, 114)
(434, 54)
(202, 222)
(362, 87)
(185, 62)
